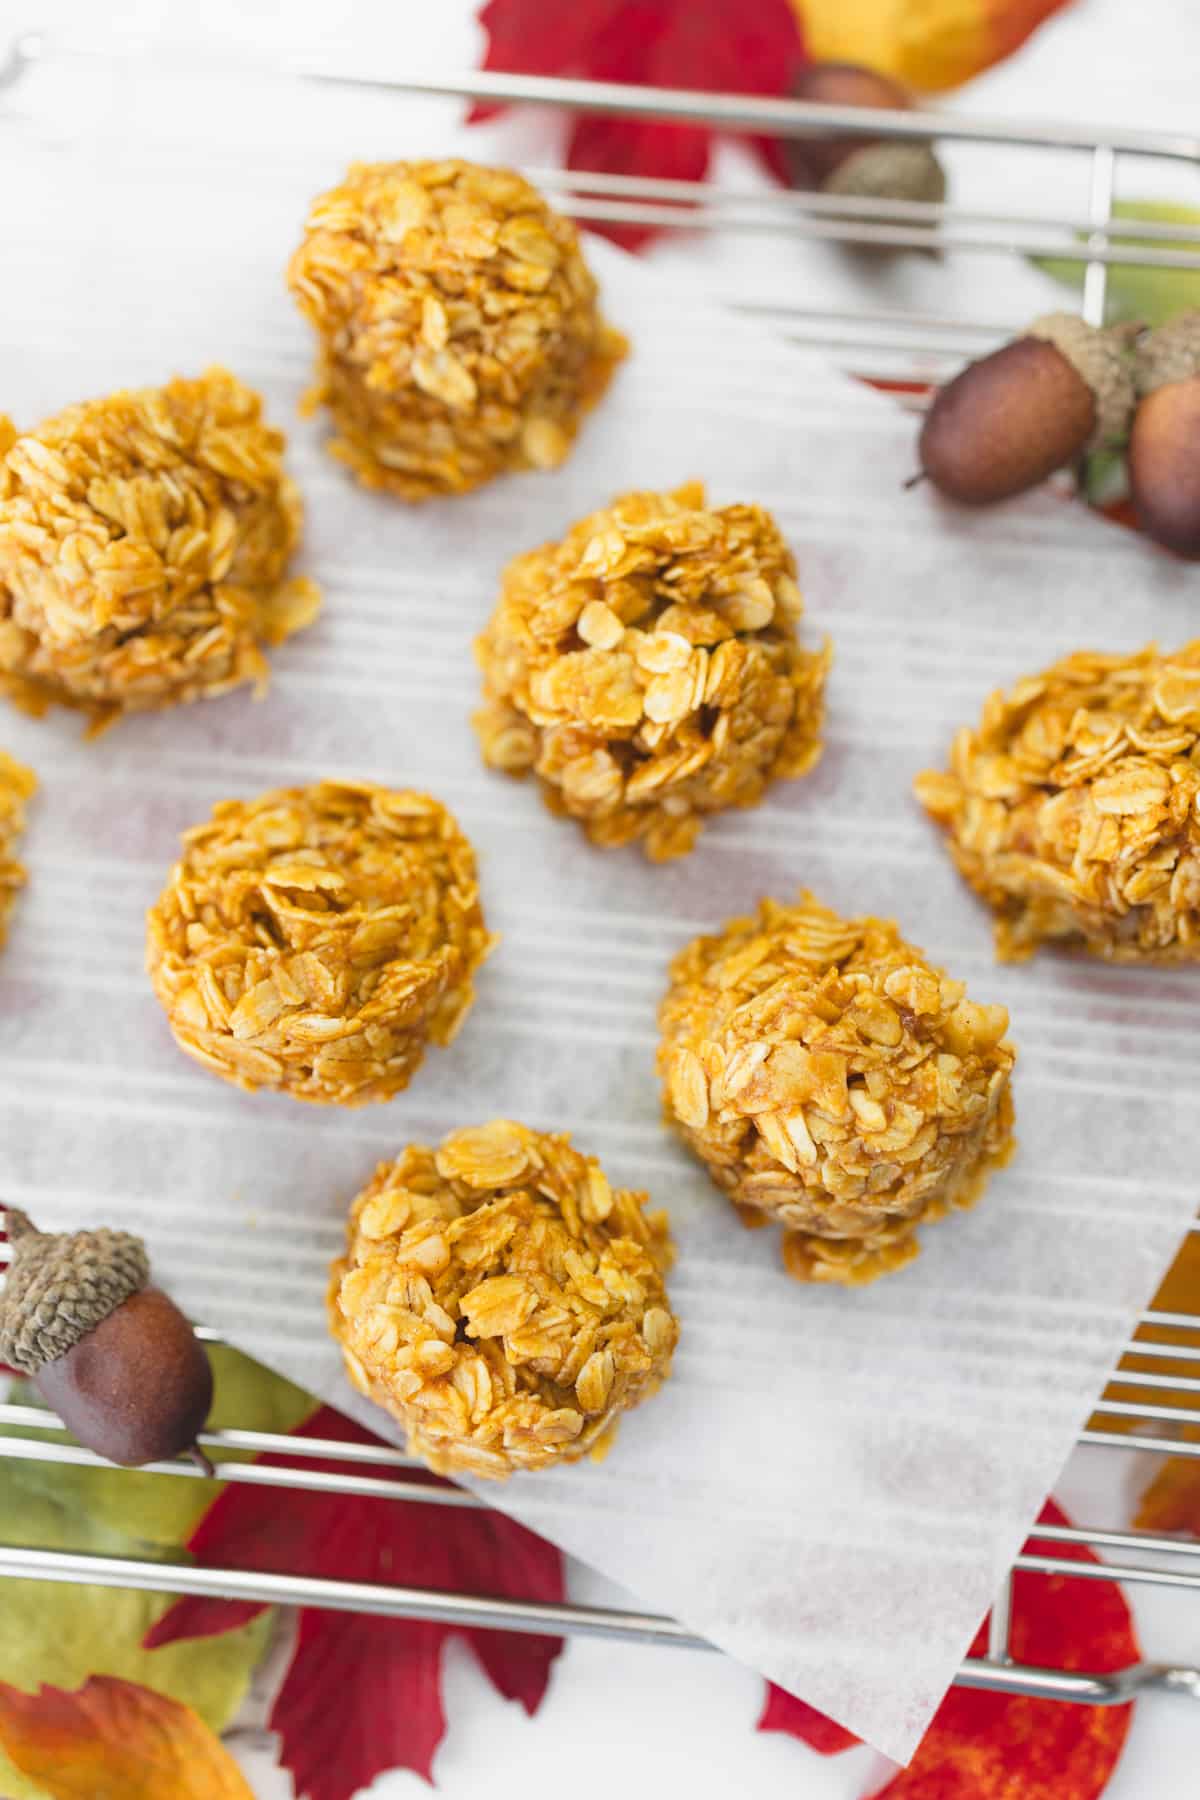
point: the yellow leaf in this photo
(926, 44)
(114, 1740)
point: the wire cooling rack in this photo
(893, 345)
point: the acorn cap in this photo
(60, 1286)
(889, 171)
(1101, 358)
(1172, 353)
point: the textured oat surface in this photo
(502, 1300)
(316, 939)
(143, 544)
(458, 325)
(647, 668)
(831, 1078)
(17, 784)
(1073, 808)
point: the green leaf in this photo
(114, 1508)
(1104, 478)
(1136, 292)
(61, 1634)
(247, 1394)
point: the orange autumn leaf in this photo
(1179, 1292)
(1172, 1501)
(116, 1740)
(926, 44)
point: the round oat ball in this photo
(458, 325)
(17, 785)
(1072, 809)
(144, 540)
(647, 669)
(502, 1300)
(831, 1079)
(316, 939)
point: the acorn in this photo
(861, 166)
(1164, 445)
(114, 1357)
(1011, 419)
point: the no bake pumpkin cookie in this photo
(316, 939)
(831, 1079)
(502, 1300)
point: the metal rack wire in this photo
(868, 342)
(1145, 1557)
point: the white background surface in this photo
(642, 1718)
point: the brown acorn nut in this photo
(1164, 445)
(860, 166)
(1011, 419)
(113, 1356)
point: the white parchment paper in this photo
(833, 1484)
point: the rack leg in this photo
(1100, 199)
(1000, 1624)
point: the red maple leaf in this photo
(1004, 1747)
(714, 46)
(784, 1712)
(363, 1694)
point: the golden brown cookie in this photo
(316, 939)
(829, 1077)
(458, 325)
(17, 785)
(647, 669)
(502, 1300)
(144, 543)
(1072, 808)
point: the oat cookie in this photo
(1073, 808)
(502, 1300)
(647, 669)
(17, 785)
(316, 939)
(458, 325)
(832, 1079)
(144, 540)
